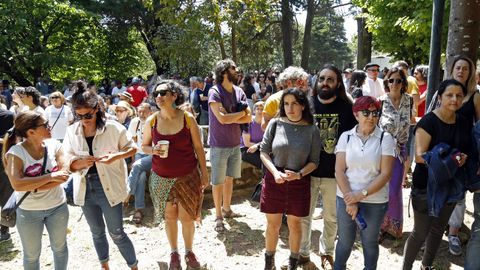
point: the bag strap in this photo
(44, 165)
(54, 123)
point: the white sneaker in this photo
(454, 245)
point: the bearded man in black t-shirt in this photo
(333, 115)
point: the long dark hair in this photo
(357, 80)
(23, 122)
(400, 72)
(301, 98)
(341, 92)
(84, 98)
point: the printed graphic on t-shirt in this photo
(36, 170)
(328, 125)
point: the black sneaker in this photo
(4, 236)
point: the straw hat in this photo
(123, 104)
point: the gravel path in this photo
(240, 247)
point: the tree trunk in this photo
(364, 45)
(234, 41)
(287, 33)
(15, 74)
(307, 36)
(220, 40)
(463, 30)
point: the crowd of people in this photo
(348, 137)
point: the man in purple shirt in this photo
(228, 110)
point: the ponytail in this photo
(9, 139)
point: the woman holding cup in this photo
(179, 170)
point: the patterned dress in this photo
(396, 122)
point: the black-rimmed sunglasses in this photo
(160, 93)
(366, 113)
(86, 116)
(397, 81)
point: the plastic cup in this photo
(163, 145)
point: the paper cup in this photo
(163, 145)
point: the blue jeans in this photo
(95, 209)
(30, 225)
(373, 213)
(472, 260)
(138, 177)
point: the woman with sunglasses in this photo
(36, 164)
(396, 116)
(446, 125)
(59, 116)
(96, 149)
(179, 171)
(364, 160)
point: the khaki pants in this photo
(328, 188)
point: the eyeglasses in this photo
(374, 113)
(120, 110)
(86, 116)
(397, 81)
(54, 97)
(161, 93)
(372, 69)
(45, 125)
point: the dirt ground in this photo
(240, 247)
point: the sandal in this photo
(137, 217)
(230, 214)
(219, 227)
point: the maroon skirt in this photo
(291, 198)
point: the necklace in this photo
(294, 121)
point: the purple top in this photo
(255, 131)
(227, 135)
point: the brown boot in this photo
(269, 262)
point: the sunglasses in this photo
(160, 93)
(366, 113)
(86, 116)
(45, 125)
(397, 81)
(54, 97)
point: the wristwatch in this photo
(365, 192)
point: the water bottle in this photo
(362, 225)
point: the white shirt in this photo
(42, 199)
(256, 86)
(135, 129)
(110, 139)
(64, 118)
(363, 161)
(117, 91)
(373, 88)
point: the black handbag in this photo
(257, 192)
(9, 210)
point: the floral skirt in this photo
(186, 190)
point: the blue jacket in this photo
(446, 182)
(472, 182)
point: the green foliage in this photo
(402, 28)
(48, 38)
(329, 42)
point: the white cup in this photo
(163, 145)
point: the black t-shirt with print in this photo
(332, 119)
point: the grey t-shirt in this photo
(292, 146)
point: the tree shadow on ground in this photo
(8, 252)
(240, 239)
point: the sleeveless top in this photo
(468, 110)
(181, 158)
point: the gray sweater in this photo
(292, 146)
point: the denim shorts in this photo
(225, 162)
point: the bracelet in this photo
(301, 174)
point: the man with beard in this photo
(291, 77)
(228, 109)
(333, 115)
